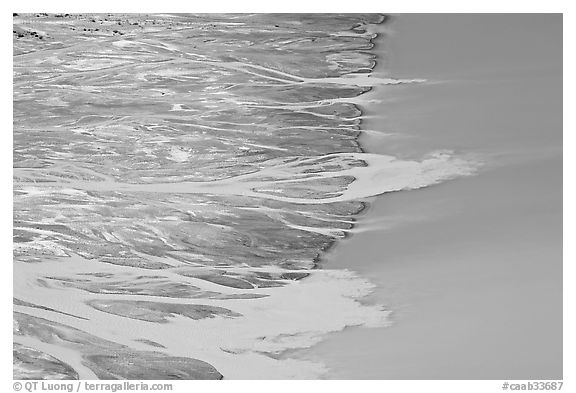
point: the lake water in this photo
(471, 269)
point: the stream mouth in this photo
(177, 179)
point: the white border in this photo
(390, 6)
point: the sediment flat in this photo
(177, 179)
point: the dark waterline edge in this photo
(322, 259)
(324, 255)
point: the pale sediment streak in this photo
(381, 174)
(239, 348)
(175, 188)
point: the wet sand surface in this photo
(177, 179)
(472, 268)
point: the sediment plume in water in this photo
(176, 180)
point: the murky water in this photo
(471, 269)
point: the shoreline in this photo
(365, 206)
(266, 316)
